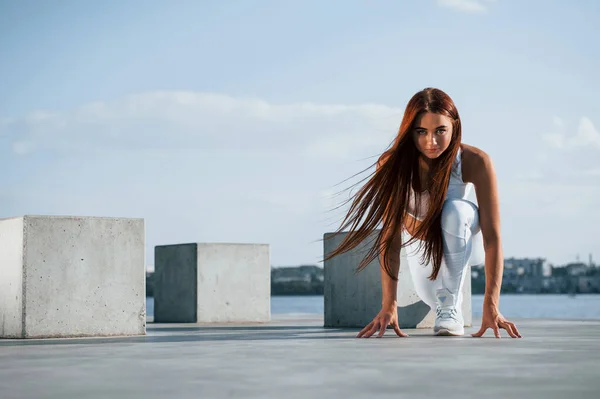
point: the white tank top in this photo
(456, 189)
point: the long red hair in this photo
(384, 197)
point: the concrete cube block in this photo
(353, 299)
(212, 282)
(64, 276)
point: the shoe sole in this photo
(449, 333)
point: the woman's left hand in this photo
(493, 319)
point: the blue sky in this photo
(233, 121)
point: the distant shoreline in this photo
(574, 279)
(473, 294)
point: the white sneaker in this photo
(448, 320)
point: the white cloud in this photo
(22, 147)
(558, 122)
(184, 120)
(554, 140)
(542, 157)
(587, 136)
(592, 172)
(569, 158)
(467, 6)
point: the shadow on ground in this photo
(202, 333)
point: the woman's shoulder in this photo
(474, 162)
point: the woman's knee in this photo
(458, 213)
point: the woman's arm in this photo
(389, 287)
(482, 174)
(486, 188)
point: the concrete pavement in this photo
(300, 359)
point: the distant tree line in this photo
(297, 288)
(300, 280)
(309, 280)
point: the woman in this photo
(419, 195)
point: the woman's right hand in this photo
(386, 316)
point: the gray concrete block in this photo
(64, 276)
(352, 299)
(11, 278)
(212, 282)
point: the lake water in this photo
(581, 307)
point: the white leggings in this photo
(463, 246)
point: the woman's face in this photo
(432, 134)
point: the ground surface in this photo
(300, 359)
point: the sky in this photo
(239, 121)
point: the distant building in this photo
(533, 267)
(525, 274)
(299, 280)
(535, 275)
(577, 269)
(288, 279)
(588, 284)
